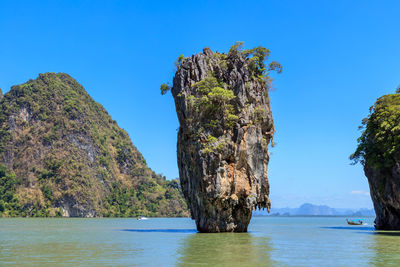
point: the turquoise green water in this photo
(271, 241)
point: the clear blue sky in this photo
(338, 57)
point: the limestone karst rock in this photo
(66, 156)
(225, 128)
(379, 152)
(385, 194)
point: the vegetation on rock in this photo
(63, 154)
(378, 151)
(379, 144)
(257, 60)
(211, 108)
(225, 128)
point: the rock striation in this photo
(379, 152)
(225, 128)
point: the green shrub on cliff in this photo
(379, 144)
(179, 60)
(212, 104)
(164, 88)
(257, 60)
(207, 84)
(220, 96)
(210, 107)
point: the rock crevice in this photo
(225, 128)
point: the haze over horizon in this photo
(338, 57)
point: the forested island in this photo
(61, 154)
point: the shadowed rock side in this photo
(225, 127)
(379, 151)
(385, 194)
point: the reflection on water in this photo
(161, 230)
(55, 253)
(225, 249)
(49, 242)
(272, 241)
(359, 228)
(386, 247)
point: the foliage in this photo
(213, 144)
(257, 57)
(379, 143)
(231, 120)
(207, 84)
(66, 148)
(213, 111)
(8, 185)
(179, 61)
(275, 66)
(236, 48)
(212, 105)
(220, 96)
(164, 88)
(259, 114)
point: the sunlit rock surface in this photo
(223, 139)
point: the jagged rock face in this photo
(225, 127)
(385, 194)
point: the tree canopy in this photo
(379, 143)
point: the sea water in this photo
(271, 241)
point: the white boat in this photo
(140, 218)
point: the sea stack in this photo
(225, 128)
(379, 152)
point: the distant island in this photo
(308, 209)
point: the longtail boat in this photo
(354, 222)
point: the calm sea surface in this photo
(271, 241)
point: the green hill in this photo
(63, 155)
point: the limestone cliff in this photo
(379, 152)
(63, 155)
(225, 128)
(385, 194)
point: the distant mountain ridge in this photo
(308, 209)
